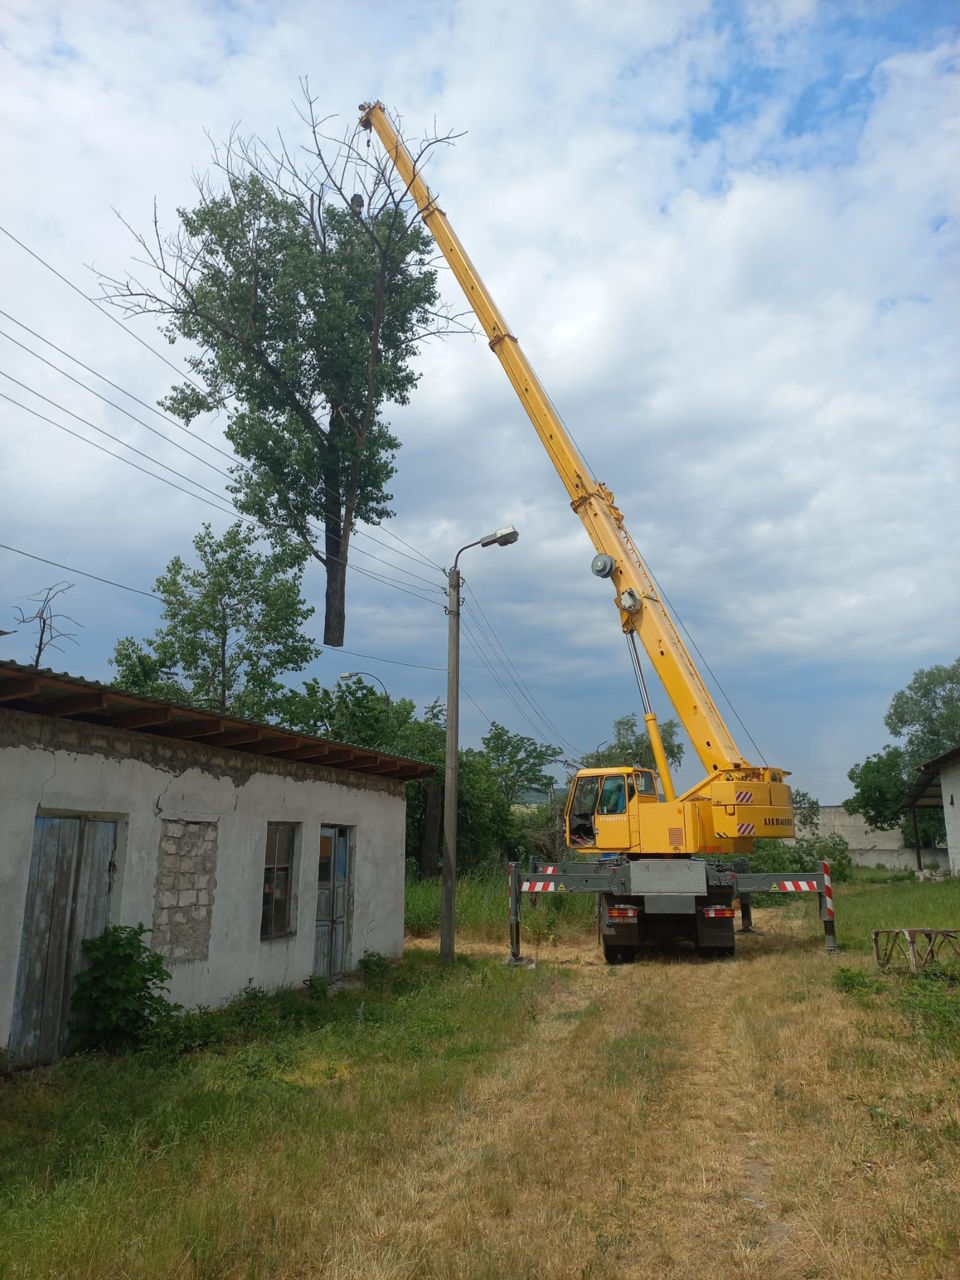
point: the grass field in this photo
(786, 1112)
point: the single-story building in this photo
(937, 786)
(254, 853)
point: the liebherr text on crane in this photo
(661, 874)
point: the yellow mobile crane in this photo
(653, 842)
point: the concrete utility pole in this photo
(448, 868)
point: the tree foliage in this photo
(232, 628)
(631, 745)
(926, 716)
(518, 763)
(304, 287)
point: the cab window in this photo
(613, 796)
(585, 796)
(646, 783)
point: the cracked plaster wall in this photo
(144, 783)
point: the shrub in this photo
(374, 967)
(118, 999)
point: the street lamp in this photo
(448, 868)
(352, 675)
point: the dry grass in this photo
(671, 1119)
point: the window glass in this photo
(277, 879)
(646, 783)
(585, 796)
(326, 857)
(613, 796)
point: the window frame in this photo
(275, 871)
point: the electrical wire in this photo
(120, 458)
(478, 650)
(76, 289)
(199, 497)
(514, 674)
(696, 648)
(394, 662)
(101, 431)
(110, 383)
(112, 403)
(155, 461)
(180, 373)
(176, 444)
(82, 572)
(425, 558)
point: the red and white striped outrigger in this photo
(613, 877)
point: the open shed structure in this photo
(254, 853)
(937, 786)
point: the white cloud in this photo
(748, 328)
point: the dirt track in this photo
(673, 1118)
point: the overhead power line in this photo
(120, 458)
(113, 319)
(501, 655)
(82, 572)
(165, 417)
(112, 403)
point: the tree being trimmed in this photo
(305, 287)
(233, 628)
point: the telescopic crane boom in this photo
(642, 612)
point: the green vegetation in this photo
(232, 628)
(926, 717)
(482, 910)
(118, 999)
(303, 313)
(930, 999)
(143, 1164)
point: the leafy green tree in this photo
(631, 745)
(926, 716)
(304, 312)
(880, 789)
(518, 763)
(357, 713)
(806, 810)
(232, 628)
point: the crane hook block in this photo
(603, 566)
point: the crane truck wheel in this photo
(618, 953)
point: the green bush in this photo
(117, 999)
(374, 968)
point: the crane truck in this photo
(665, 866)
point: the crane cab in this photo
(603, 808)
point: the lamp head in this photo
(502, 537)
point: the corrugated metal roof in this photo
(925, 792)
(41, 691)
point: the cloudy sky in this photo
(726, 236)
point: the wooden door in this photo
(331, 923)
(68, 893)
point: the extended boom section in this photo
(737, 801)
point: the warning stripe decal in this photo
(744, 797)
(746, 828)
(540, 886)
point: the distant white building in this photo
(938, 786)
(252, 852)
(869, 848)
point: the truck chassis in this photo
(646, 901)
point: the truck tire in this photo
(618, 952)
(717, 953)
